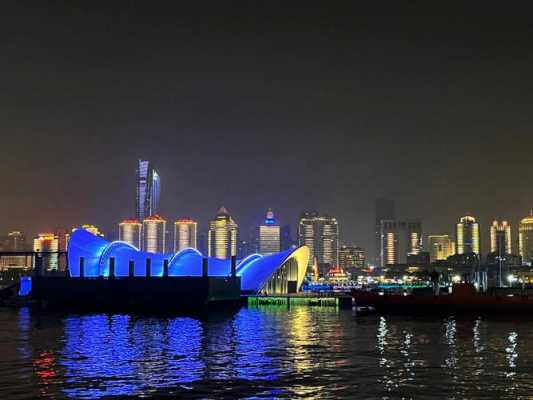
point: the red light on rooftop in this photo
(185, 220)
(131, 221)
(155, 217)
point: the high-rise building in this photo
(148, 190)
(384, 210)
(269, 235)
(222, 237)
(15, 241)
(153, 232)
(525, 238)
(93, 229)
(287, 241)
(130, 231)
(398, 240)
(185, 234)
(440, 247)
(351, 259)
(321, 234)
(46, 245)
(467, 236)
(500, 238)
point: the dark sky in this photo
(255, 105)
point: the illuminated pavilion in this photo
(91, 256)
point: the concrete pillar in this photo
(111, 267)
(165, 268)
(82, 267)
(148, 267)
(233, 266)
(205, 266)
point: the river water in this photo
(264, 353)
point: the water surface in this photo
(264, 353)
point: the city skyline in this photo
(309, 112)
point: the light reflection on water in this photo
(266, 352)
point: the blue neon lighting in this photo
(254, 270)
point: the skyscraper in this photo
(185, 234)
(467, 236)
(500, 238)
(15, 241)
(351, 259)
(321, 234)
(47, 246)
(148, 190)
(130, 231)
(222, 237)
(384, 210)
(153, 232)
(93, 229)
(440, 247)
(525, 238)
(269, 235)
(398, 240)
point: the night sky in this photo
(256, 105)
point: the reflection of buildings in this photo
(467, 236)
(153, 232)
(321, 234)
(351, 259)
(269, 235)
(525, 238)
(185, 234)
(222, 237)
(440, 247)
(46, 243)
(129, 231)
(148, 190)
(398, 240)
(500, 238)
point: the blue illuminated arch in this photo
(254, 270)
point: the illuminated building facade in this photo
(153, 233)
(525, 239)
(222, 237)
(279, 273)
(185, 234)
(93, 229)
(148, 190)
(398, 240)
(384, 211)
(130, 231)
(47, 247)
(269, 235)
(351, 259)
(500, 238)
(440, 247)
(321, 234)
(467, 236)
(14, 241)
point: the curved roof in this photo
(254, 270)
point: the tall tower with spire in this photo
(222, 237)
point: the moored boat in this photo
(463, 299)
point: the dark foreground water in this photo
(266, 353)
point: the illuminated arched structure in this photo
(276, 273)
